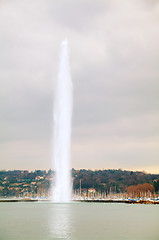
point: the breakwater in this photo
(18, 200)
(128, 201)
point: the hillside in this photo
(117, 180)
(37, 183)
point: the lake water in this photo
(78, 221)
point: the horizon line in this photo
(77, 169)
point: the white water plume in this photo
(62, 188)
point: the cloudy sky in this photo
(114, 58)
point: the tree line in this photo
(21, 182)
(112, 179)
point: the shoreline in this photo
(19, 200)
(126, 201)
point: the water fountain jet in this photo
(62, 187)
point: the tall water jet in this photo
(62, 188)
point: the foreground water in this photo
(78, 221)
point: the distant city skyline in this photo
(114, 58)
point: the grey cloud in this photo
(79, 16)
(114, 64)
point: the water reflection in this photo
(60, 221)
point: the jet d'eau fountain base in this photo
(62, 187)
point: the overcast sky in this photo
(114, 58)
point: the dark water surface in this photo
(78, 221)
